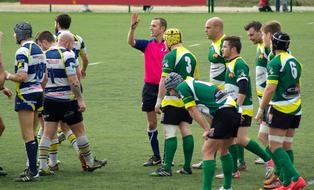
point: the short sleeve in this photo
(70, 63)
(21, 63)
(141, 44)
(168, 64)
(241, 71)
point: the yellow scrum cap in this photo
(172, 37)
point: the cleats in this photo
(269, 174)
(152, 161)
(300, 184)
(3, 172)
(235, 175)
(45, 172)
(27, 176)
(83, 162)
(184, 171)
(161, 172)
(97, 164)
(275, 183)
(259, 161)
(54, 168)
(242, 167)
(197, 165)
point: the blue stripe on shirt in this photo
(141, 44)
(57, 89)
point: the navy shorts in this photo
(226, 123)
(31, 102)
(149, 97)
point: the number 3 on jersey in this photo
(188, 64)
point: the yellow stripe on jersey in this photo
(217, 45)
(248, 112)
(172, 101)
(259, 92)
(272, 81)
(290, 107)
(190, 104)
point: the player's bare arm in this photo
(134, 23)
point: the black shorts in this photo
(246, 121)
(67, 112)
(266, 113)
(174, 116)
(226, 123)
(281, 120)
(149, 97)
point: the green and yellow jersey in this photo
(285, 71)
(217, 63)
(206, 96)
(261, 60)
(237, 69)
(183, 62)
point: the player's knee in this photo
(152, 125)
(243, 141)
(170, 131)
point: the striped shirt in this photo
(60, 65)
(78, 46)
(30, 59)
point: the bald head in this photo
(214, 28)
(66, 40)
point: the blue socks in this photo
(154, 142)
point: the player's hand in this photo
(259, 115)
(158, 105)
(6, 91)
(1, 126)
(82, 105)
(83, 74)
(157, 108)
(134, 20)
(207, 133)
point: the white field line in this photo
(193, 45)
(96, 63)
(310, 23)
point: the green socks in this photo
(227, 165)
(276, 162)
(286, 164)
(233, 149)
(170, 150)
(208, 173)
(188, 147)
(255, 148)
(241, 154)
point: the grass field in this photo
(112, 90)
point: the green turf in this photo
(112, 90)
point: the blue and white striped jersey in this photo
(78, 46)
(30, 59)
(60, 64)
